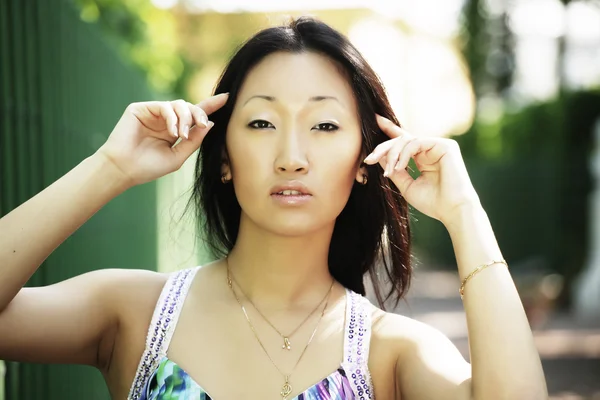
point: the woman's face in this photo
(294, 144)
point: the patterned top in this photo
(159, 378)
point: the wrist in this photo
(110, 174)
(463, 215)
(473, 238)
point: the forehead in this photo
(296, 77)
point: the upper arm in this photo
(430, 366)
(72, 322)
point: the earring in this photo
(224, 179)
(365, 179)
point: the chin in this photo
(294, 225)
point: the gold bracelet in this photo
(481, 267)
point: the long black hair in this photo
(372, 232)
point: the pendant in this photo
(286, 390)
(286, 344)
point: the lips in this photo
(290, 193)
(295, 188)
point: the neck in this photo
(283, 270)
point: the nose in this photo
(292, 155)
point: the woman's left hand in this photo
(444, 185)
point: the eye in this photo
(326, 126)
(261, 124)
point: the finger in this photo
(392, 156)
(165, 110)
(185, 117)
(388, 127)
(185, 148)
(213, 103)
(403, 180)
(379, 152)
(383, 162)
(199, 116)
(412, 149)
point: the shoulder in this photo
(126, 295)
(403, 331)
(117, 286)
(411, 338)
(422, 354)
(134, 294)
(107, 289)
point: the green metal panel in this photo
(62, 89)
(2, 371)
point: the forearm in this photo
(30, 233)
(505, 362)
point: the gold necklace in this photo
(287, 344)
(286, 389)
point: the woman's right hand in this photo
(141, 146)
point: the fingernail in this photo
(210, 124)
(174, 130)
(204, 121)
(370, 157)
(186, 131)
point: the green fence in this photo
(2, 371)
(62, 90)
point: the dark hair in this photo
(372, 230)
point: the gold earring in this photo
(365, 179)
(224, 178)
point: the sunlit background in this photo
(515, 82)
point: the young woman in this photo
(302, 186)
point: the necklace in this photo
(287, 344)
(286, 389)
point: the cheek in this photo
(344, 153)
(250, 162)
(337, 164)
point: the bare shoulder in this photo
(404, 331)
(131, 294)
(124, 292)
(131, 286)
(427, 363)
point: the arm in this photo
(63, 322)
(74, 321)
(32, 231)
(505, 362)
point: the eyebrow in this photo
(312, 99)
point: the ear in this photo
(362, 174)
(225, 167)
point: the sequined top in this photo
(159, 378)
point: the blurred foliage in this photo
(145, 35)
(180, 52)
(474, 41)
(487, 44)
